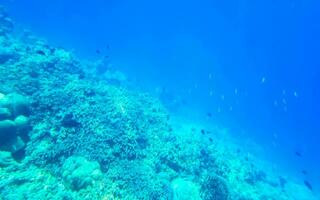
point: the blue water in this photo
(253, 65)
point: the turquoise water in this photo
(238, 77)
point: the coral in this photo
(13, 122)
(79, 173)
(214, 188)
(6, 56)
(137, 180)
(6, 159)
(16, 103)
(32, 183)
(7, 129)
(4, 113)
(255, 176)
(185, 190)
(115, 77)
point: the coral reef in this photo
(86, 136)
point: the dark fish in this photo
(308, 185)
(203, 131)
(210, 139)
(98, 51)
(304, 172)
(282, 182)
(297, 153)
(40, 52)
(209, 114)
(52, 50)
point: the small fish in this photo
(52, 50)
(297, 153)
(209, 114)
(282, 182)
(304, 172)
(40, 52)
(98, 51)
(284, 101)
(203, 131)
(308, 185)
(284, 92)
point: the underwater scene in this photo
(159, 100)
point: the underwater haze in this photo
(251, 69)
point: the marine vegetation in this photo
(68, 132)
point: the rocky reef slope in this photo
(68, 133)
